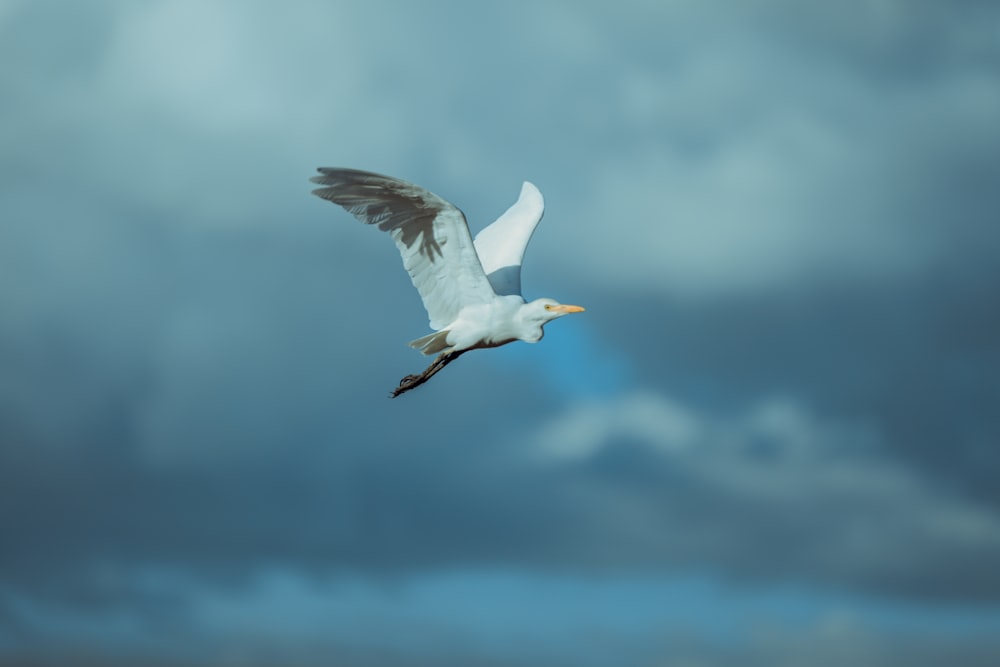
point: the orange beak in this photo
(562, 308)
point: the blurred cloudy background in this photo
(771, 440)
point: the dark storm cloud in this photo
(914, 359)
(779, 481)
(775, 207)
(155, 417)
(160, 354)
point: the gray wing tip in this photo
(348, 175)
(335, 175)
(324, 193)
(328, 176)
(336, 178)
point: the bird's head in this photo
(544, 310)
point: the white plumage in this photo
(470, 289)
(501, 245)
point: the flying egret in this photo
(471, 289)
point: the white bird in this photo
(470, 289)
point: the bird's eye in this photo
(548, 307)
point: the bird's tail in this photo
(432, 343)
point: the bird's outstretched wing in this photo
(501, 245)
(431, 234)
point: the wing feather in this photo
(432, 236)
(501, 245)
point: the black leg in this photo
(414, 381)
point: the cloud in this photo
(581, 433)
(751, 171)
(774, 215)
(198, 311)
(671, 487)
(639, 483)
(493, 617)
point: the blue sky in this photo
(769, 440)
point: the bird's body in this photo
(507, 319)
(470, 288)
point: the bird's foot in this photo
(409, 382)
(412, 381)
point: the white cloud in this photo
(584, 429)
(668, 426)
(224, 68)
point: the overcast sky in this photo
(771, 439)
